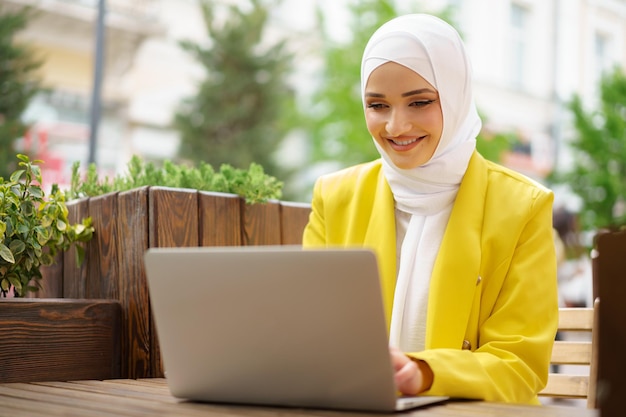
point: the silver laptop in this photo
(274, 325)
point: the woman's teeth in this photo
(404, 142)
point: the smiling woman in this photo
(464, 246)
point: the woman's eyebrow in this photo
(419, 91)
(407, 94)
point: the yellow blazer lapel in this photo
(381, 236)
(457, 266)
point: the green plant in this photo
(597, 173)
(253, 184)
(20, 81)
(237, 115)
(33, 228)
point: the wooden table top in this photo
(151, 397)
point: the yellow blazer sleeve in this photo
(315, 230)
(355, 207)
(493, 304)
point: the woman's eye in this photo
(376, 106)
(422, 103)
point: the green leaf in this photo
(17, 246)
(15, 177)
(36, 191)
(61, 225)
(46, 259)
(42, 235)
(15, 281)
(23, 228)
(28, 208)
(80, 255)
(46, 221)
(37, 172)
(6, 253)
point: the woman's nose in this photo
(398, 123)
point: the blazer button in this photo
(466, 345)
(479, 279)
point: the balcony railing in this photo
(134, 9)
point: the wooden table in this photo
(151, 397)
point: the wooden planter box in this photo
(128, 223)
(59, 339)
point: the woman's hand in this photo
(411, 377)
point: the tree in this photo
(494, 146)
(598, 174)
(335, 121)
(18, 84)
(236, 117)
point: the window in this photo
(602, 54)
(69, 107)
(519, 39)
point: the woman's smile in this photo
(404, 144)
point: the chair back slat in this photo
(575, 319)
(571, 353)
(579, 322)
(567, 386)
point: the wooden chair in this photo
(583, 352)
(609, 264)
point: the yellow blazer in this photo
(492, 306)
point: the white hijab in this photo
(434, 50)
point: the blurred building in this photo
(145, 74)
(529, 57)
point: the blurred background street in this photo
(529, 56)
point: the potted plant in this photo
(170, 205)
(33, 229)
(252, 184)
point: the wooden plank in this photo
(261, 223)
(102, 272)
(75, 276)
(571, 353)
(173, 222)
(293, 219)
(611, 281)
(65, 402)
(566, 386)
(52, 281)
(575, 319)
(499, 409)
(25, 406)
(220, 219)
(68, 401)
(59, 339)
(114, 387)
(132, 222)
(173, 214)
